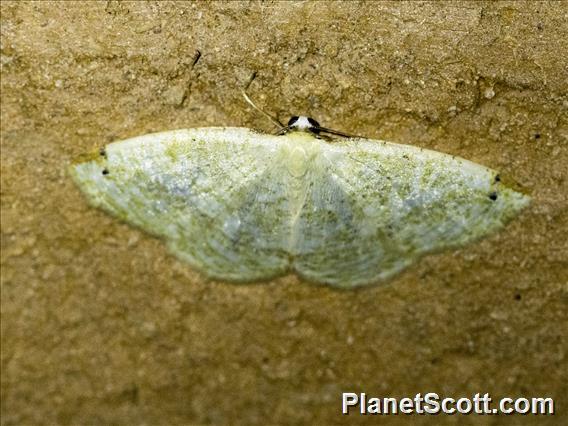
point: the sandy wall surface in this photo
(101, 325)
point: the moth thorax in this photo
(298, 162)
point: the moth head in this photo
(303, 124)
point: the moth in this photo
(244, 206)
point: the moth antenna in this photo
(334, 132)
(273, 119)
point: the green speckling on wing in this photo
(242, 206)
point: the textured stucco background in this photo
(100, 325)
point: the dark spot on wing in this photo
(102, 152)
(493, 196)
(105, 172)
(497, 178)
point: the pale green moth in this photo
(243, 206)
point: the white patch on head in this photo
(302, 123)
